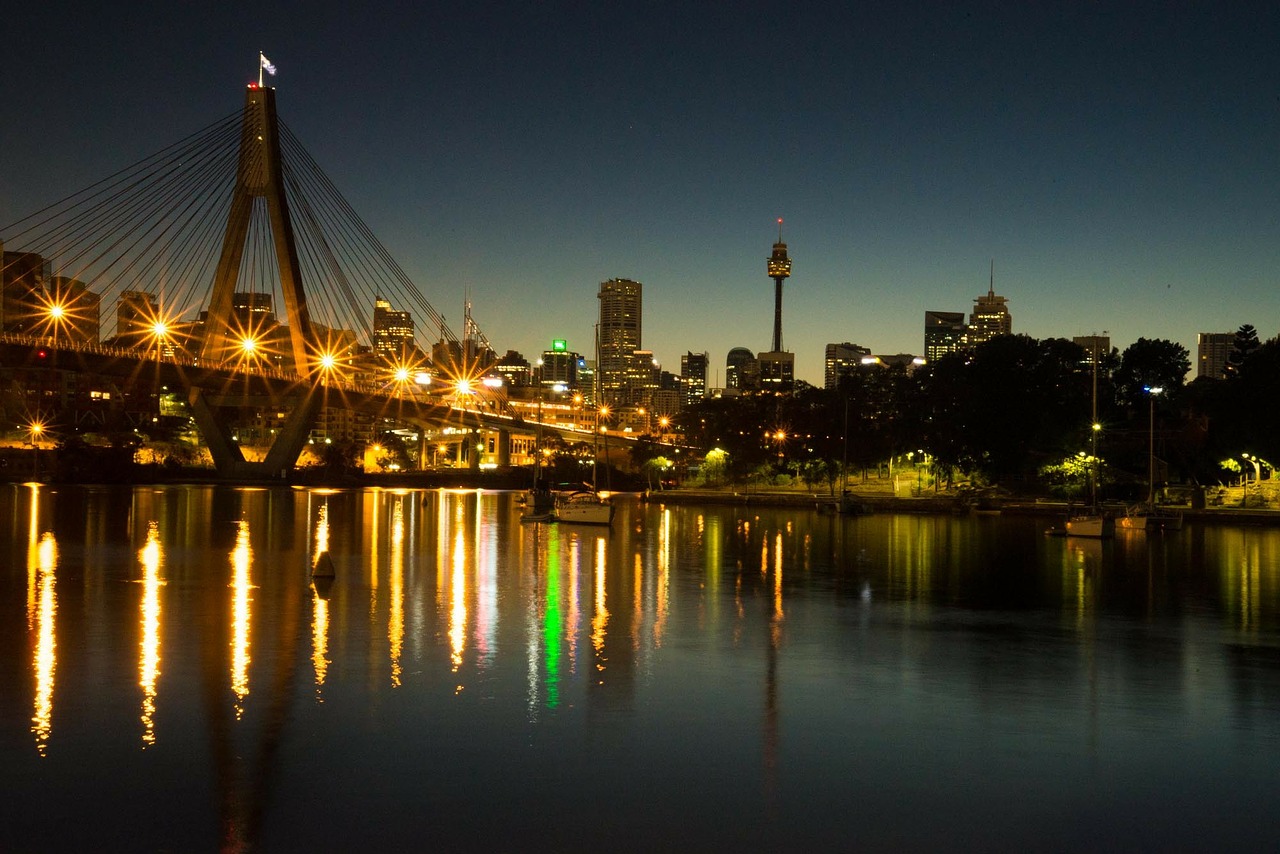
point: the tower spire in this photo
(779, 270)
(991, 289)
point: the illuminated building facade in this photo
(693, 377)
(735, 365)
(621, 302)
(392, 331)
(944, 332)
(840, 360)
(1213, 351)
(990, 317)
(23, 278)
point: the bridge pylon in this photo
(258, 175)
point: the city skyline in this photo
(1117, 164)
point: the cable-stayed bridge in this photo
(229, 266)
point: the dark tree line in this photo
(1007, 411)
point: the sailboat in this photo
(539, 504)
(1093, 523)
(588, 507)
(1145, 517)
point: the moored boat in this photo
(584, 508)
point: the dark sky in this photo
(1118, 161)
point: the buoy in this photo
(323, 567)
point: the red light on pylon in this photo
(42, 354)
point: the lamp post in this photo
(1151, 391)
(37, 430)
(1257, 476)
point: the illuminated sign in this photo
(559, 345)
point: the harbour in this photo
(693, 676)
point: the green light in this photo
(559, 345)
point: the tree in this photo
(1246, 341)
(1150, 363)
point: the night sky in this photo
(1118, 161)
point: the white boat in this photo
(1096, 525)
(584, 508)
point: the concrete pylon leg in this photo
(292, 436)
(504, 448)
(281, 457)
(227, 457)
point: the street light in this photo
(1152, 391)
(1257, 476)
(36, 429)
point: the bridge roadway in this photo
(268, 388)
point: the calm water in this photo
(695, 679)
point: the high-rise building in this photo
(733, 367)
(779, 271)
(81, 308)
(514, 369)
(620, 314)
(640, 380)
(693, 377)
(944, 332)
(840, 360)
(1213, 349)
(990, 317)
(1091, 344)
(23, 277)
(777, 371)
(136, 313)
(392, 330)
(558, 366)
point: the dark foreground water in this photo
(695, 679)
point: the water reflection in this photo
(798, 661)
(41, 577)
(241, 561)
(151, 557)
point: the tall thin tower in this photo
(779, 270)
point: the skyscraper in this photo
(392, 330)
(734, 365)
(693, 377)
(1212, 352)
(990, 317)
(944, 332)
(840, 360)
(620, 308)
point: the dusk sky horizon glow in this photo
(1118, 162)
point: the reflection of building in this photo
(990, 317)
(840, 360)
(943, 333)
(1213, 349)
(693, 376)
(392, 330)
(620, 326)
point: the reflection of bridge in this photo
(192, 251)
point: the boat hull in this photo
(1091, 526)
(584, 509)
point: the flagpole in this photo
(261, 64)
